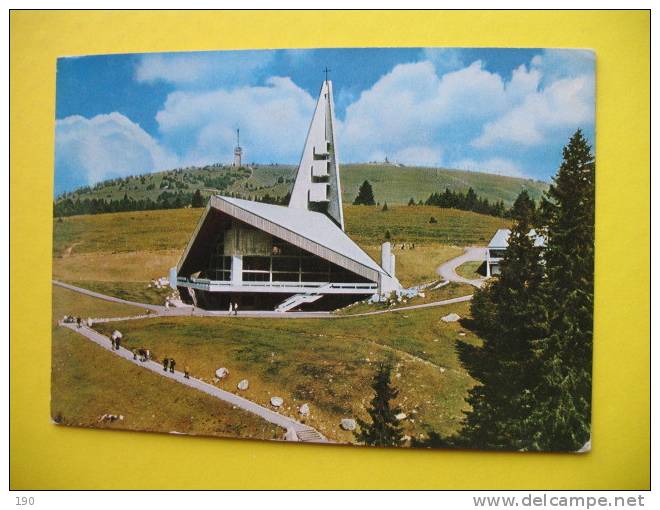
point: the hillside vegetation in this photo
(391, 184)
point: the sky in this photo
(503, 111)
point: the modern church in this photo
(296, 257)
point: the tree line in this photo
(464, 201)
(166, 200)
(536, 322)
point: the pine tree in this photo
(365, 195)
(411, 202)
(522, 204)
(510, 315)
(384, 207)
(197, 199)
(384, 429)
(563, 411)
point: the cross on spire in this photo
(326, 71)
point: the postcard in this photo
(367, 246)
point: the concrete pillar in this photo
(392, 265)
(386, 257)
(487, 263)
(236, 269)
(173, 277)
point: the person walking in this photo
(166, 363)
(117, 343)
(172, 364)
(186, 372)
(236, 309)
(231, 307)
(79, 322)
(112, 339)
(134, 353)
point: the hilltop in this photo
(391, 184)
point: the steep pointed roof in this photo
(317, 186)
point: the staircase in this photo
(296, 300)
(310, 435)
(299, 299)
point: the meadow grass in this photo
(136, 247)
(328, 364)
(367, 225)
(88, 382)
(472, 270)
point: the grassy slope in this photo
(88, 382)
(330, 367)
(396, 185)
(135, 247)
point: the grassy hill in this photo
(393, 184)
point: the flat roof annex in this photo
(309, 230)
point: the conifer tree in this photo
(384, 207)
(563, 411)
(197, 199)
(384, 429)
(510, 314)
(365, 195)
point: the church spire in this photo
(317, 186)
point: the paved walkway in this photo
(295, 431)
(448, 269)
(155, 308)
(162, 311)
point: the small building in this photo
(498, 245)
(272, 257)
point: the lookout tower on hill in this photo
(238, 150)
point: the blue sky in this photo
(506, 111)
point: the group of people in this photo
(73, 320)
(170, 363)
(233, 308)
(116, 342)
(143, 354)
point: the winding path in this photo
(295, 431)
(448, 269)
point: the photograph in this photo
(388, 247)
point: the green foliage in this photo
(388, 235)
(466, 202)
(433, 220)
(197, 199)
(563, 412)
(411, 202)
(510, 314)
(384, 429)
(536, 320)
(365, 195)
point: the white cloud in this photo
(497, 166)
(443, 59)
(200, 69)
(411, 106)
(104, 147)
(567, 103)
(273, 120)
(418, 156)
(556, 64)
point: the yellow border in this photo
(45, 456)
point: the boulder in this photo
(348, 424)
(276, 401)
(243, 385)
(400, 416)
(452, 317)
(221, 373)
(304, 410)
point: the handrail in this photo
(309, 285)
